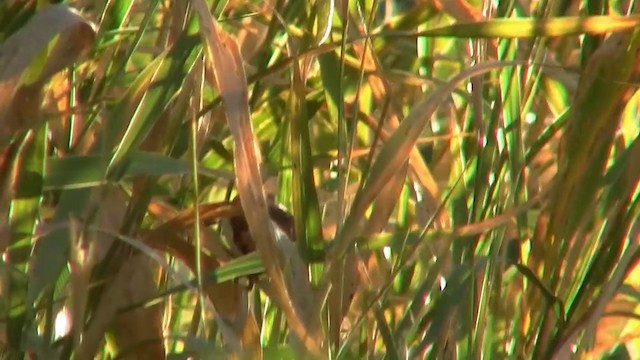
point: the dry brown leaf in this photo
(138, 285)
(112, 204)
(138, 332)
(140, 328)
(112, 300)
(19, 99)
(386, 202)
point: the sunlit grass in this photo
(459, 180)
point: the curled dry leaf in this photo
(20, 95)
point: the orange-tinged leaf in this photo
(114, 298)
(19, 95)
(138, 332)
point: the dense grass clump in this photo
(322, 179)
